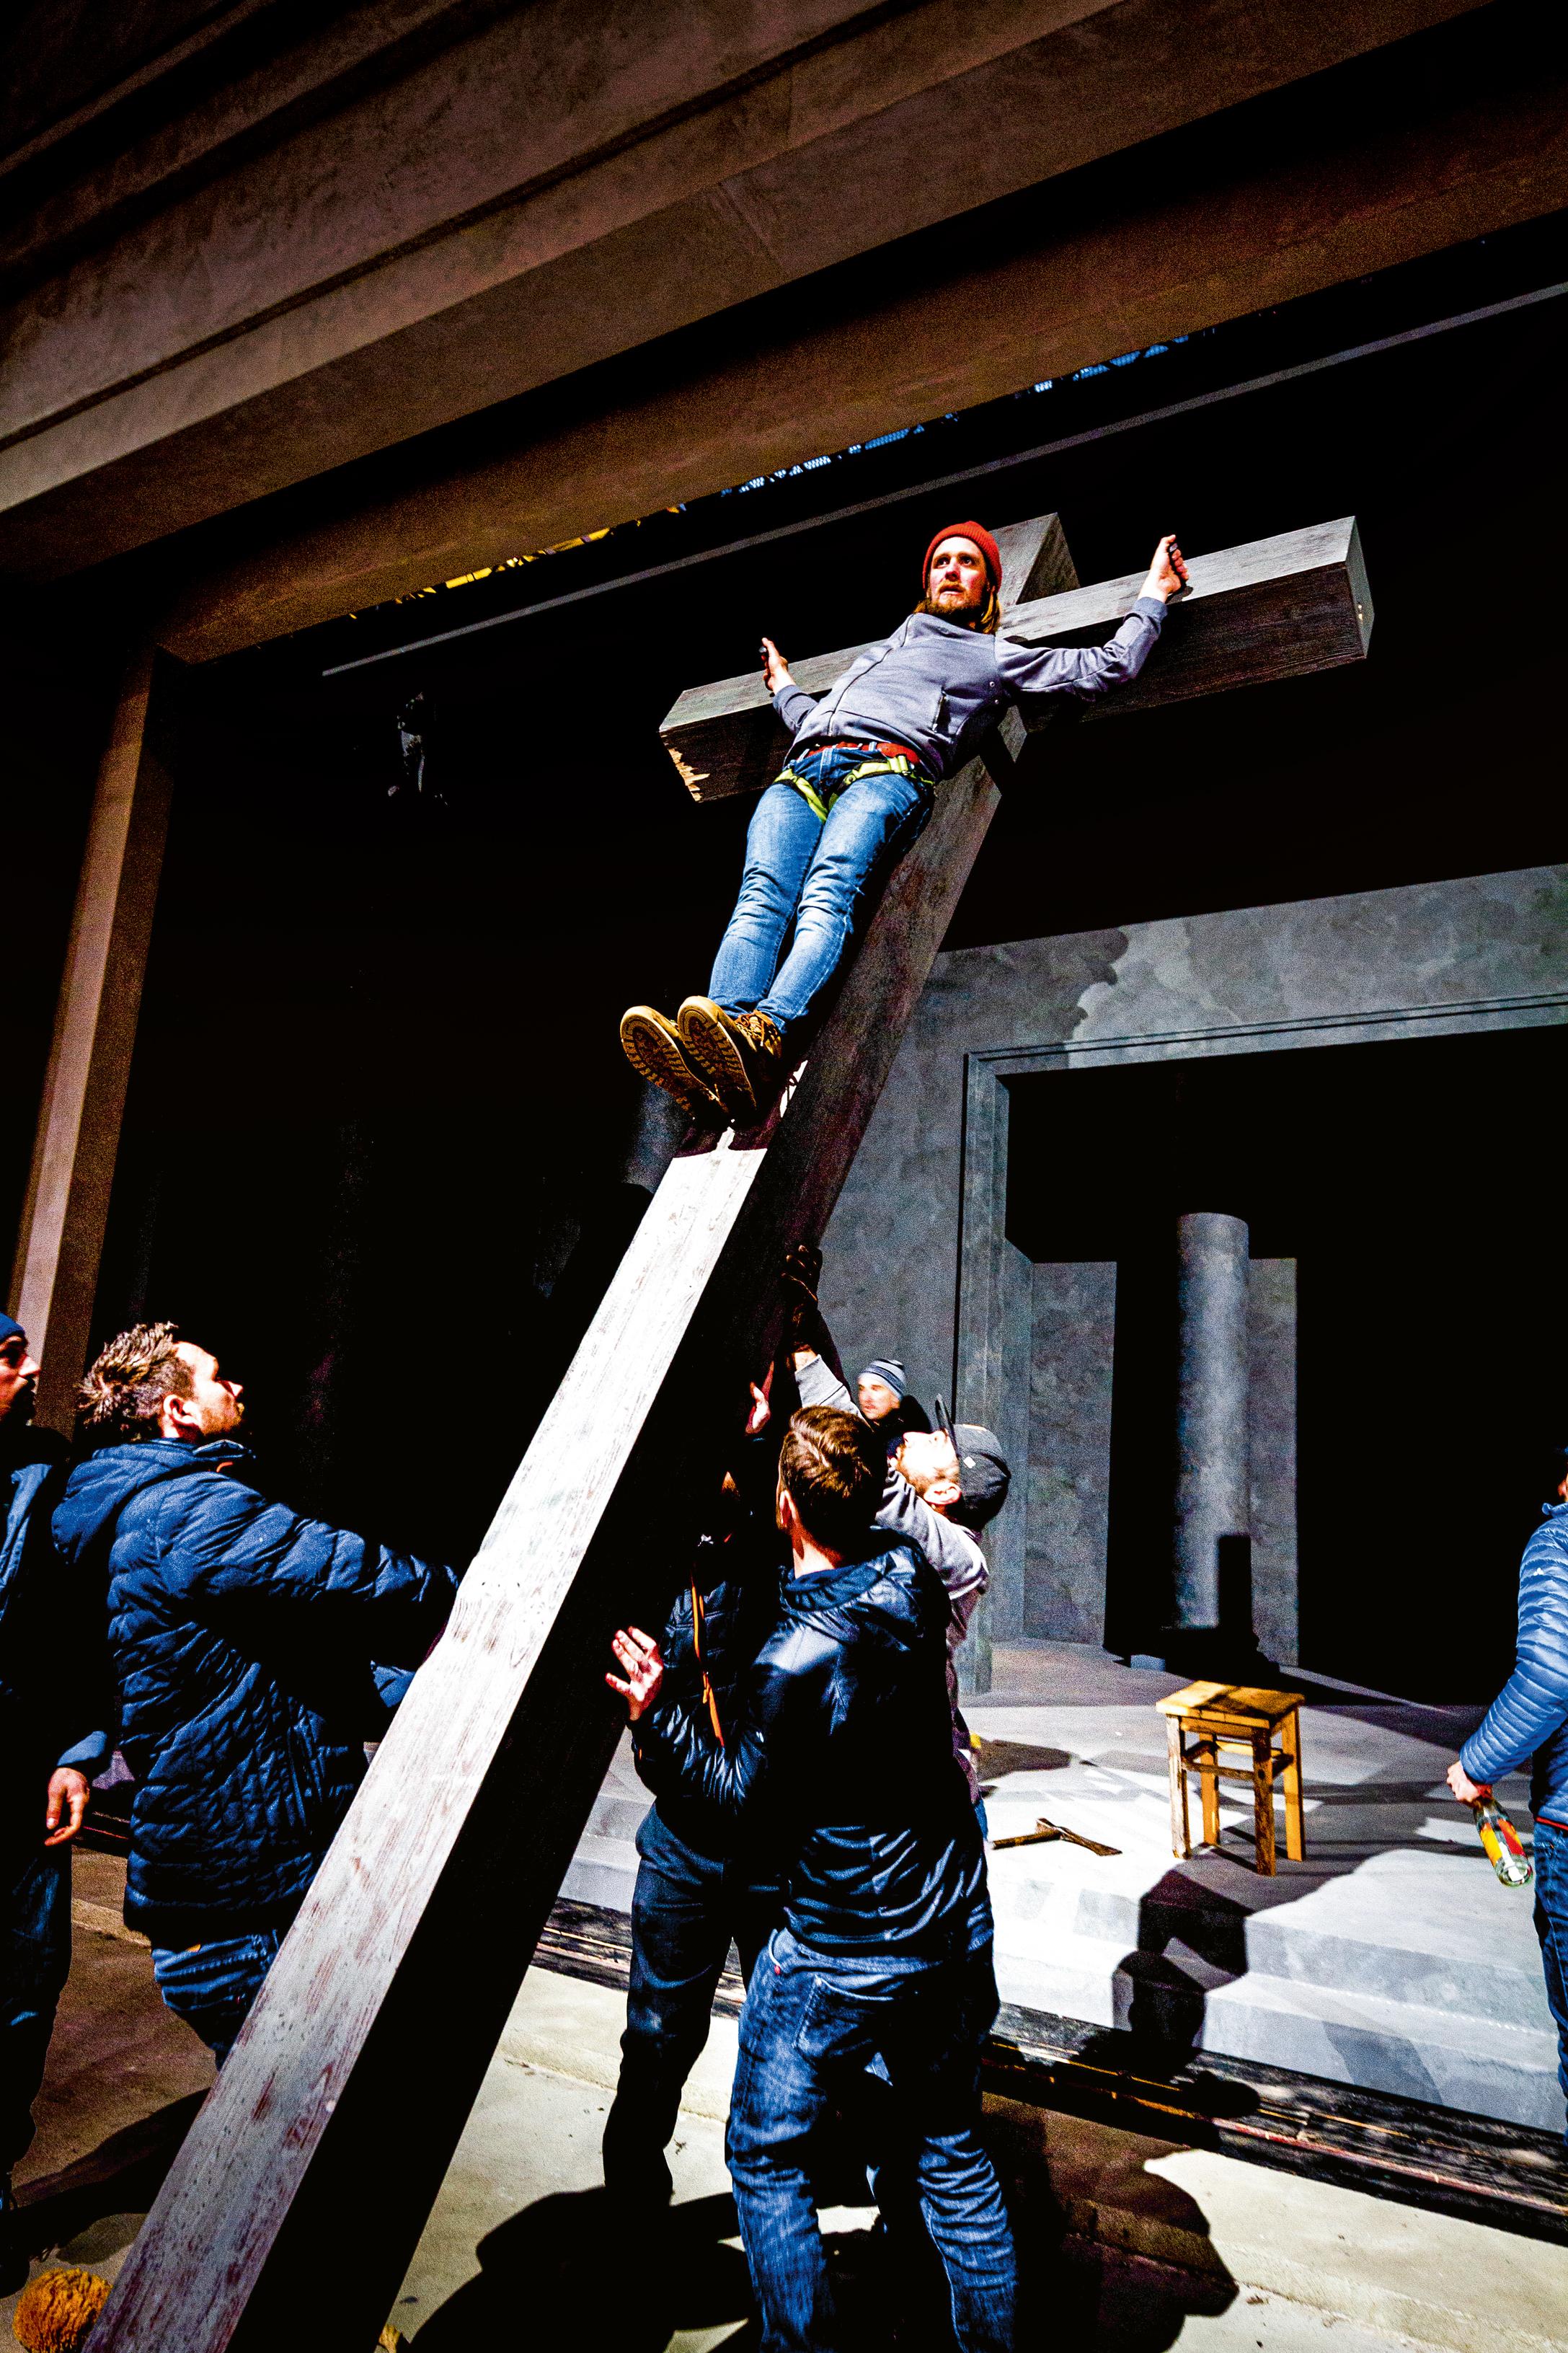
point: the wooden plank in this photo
(1272, 608)
(333, 2121)
(724, 738)
(55, 1279)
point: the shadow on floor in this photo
(569, 2252)
(122, 2175)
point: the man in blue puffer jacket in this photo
(244, 1638)
(1529, 1718)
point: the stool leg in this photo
(1263, 1800)
(1181, 1834)
(1208, 1779)
(1295, 1827)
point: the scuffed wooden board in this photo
(1271, 608)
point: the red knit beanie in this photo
(983, 541)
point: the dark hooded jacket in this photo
(243, 1636)
(56, 1693)
(844, 1757)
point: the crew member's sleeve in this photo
(819, 1385)
(226, 1550)
(677, 1753)
(1533, 1703)
(88, 1715)
(1082, 671)
(951, 1551)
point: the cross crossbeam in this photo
(1272, 608)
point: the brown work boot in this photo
(653, 1048)
(740, 1055)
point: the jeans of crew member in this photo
(212, 1985)
(812, 2024)
(686, 1907)
(820, 876)
(1552, 1927)
(34, 1961)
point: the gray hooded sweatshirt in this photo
(936, 686)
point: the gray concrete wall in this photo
(1488, 951)
(1069, 1489)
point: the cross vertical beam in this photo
(388, 1997)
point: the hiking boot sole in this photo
(653, 1048)
(708, 1044)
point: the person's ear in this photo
(942, 1494)
(175, 1417)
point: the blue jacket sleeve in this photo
(1082, 671)
(678, 1756)
(225, 1549)
(1533, 1703)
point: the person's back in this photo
(884, 1959)
(247, 1641)
(849, 1709)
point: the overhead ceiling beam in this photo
(518, 194)
(916, 333)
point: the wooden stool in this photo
(1235, 1715)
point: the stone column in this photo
(1213, 1503)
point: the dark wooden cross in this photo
(290, 2213)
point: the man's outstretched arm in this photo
(1089, 671)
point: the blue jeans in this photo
(812, 2024)
(212, 1985)
(817, 875)
(686, 1907)
(34, 1961)
(1551, 1860)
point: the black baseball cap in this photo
(984, 1473)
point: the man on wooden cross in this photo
(863, 766)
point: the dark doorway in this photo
(1408, 1181)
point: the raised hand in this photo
(776, 669)
(638, 1654)
(1168, 571)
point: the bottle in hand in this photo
(1501, 1839)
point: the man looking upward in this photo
(254, 1649)
(858, 788)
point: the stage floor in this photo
(1391, 1958)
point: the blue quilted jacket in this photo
(56, 1694)
(1528, 1716)
(243, 1637)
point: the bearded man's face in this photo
(957, 584)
